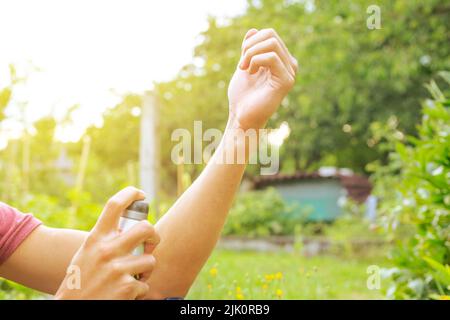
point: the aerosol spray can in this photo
(137, 211)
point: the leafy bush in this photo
(415, 190)
(261, 213)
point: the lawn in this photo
(256, 275)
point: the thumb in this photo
(109, 219)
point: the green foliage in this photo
(415, 190)
(6, 92)
(58, 212)
(261, 213)
(349, 75)
(5, 96)
(10, 290)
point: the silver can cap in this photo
(138, 210)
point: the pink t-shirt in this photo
(14, 228)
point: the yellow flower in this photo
(279, 293)
(238, 289)
(209, 286)
(444, 297)
(278, 276)
(213, 272)
(239, 296)
(265, 286)
(269, 277)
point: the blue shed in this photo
(318, 193)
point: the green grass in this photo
(277, 275)
(254, 275)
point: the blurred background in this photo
(363, 137)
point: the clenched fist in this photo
(265, 74)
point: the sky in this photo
(90, 52)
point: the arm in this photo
(191, 228)
(41, 261)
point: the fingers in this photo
(136, 289)
(109, 218)
(149, 247)
(271, 61)
(142, 232)
(249, 33)
(269, 45)
(134, 265)
(141, 290)
(265, 34)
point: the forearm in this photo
(191, 228)
(41, 260)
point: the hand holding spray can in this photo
(133, 214)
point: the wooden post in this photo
(83, 163)
(180, 176)
(11, 166)
(80, 180)
(149, 149)
(25, 163)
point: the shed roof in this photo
(358, 187)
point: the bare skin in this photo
(188, 232)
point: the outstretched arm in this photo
(191, 228)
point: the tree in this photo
(349, 75)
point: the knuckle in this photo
(271, 31)
(273, 43)
(272, 56)
(146, 228)
(104, 252)
(247, 55)
(128, 287)
(150, 261)
(115, 268)
(245, 46)
(91, 240)
(113, 203)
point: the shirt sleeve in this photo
(15, 226)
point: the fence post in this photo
(149, 149)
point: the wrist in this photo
(238, 142)
(235, 123)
